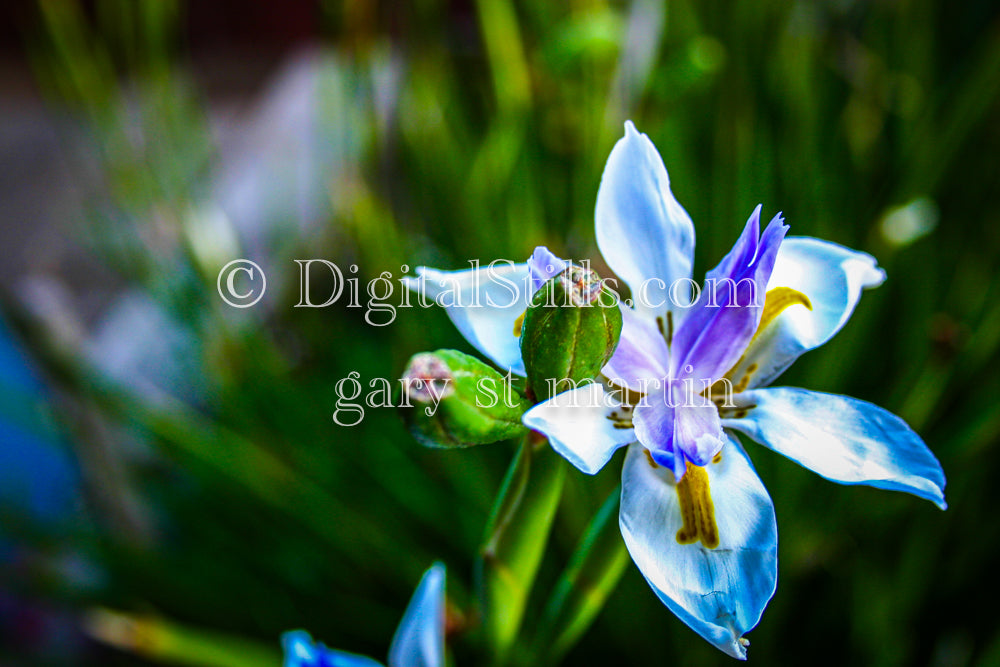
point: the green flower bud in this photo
(450, 399)
(570, 331)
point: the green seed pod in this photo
(450, 399)
(570, 331)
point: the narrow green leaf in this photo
(515, 540)
(170, 643)
(592, 574)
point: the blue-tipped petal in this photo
(586, 425)
(643, 233)
(841, 438)
(697, 430)
(676, 419)
(720, 593)
(642, 354)
(484, 304)
(419, 641)
(301, 651)
(832, 278)
(653, 420)
(716, 332)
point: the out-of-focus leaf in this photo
(174, 644)
(591, 576)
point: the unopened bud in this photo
(570, 331)
(450, 399)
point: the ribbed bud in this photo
(570, 331)
(450, 399)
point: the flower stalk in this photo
(515, 541)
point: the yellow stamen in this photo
(697, 510)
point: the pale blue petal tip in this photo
(419, 640)
(844, 439)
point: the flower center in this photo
(697, 509)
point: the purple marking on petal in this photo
(698, 432)
(677, 424)
(641, 354)
(667, 460)
(717, 330)
(653, 421)
(543, 265)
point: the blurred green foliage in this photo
(479, 130)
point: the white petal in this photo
(841, 438)
(720, 593)
(832, 277)
(645, 235)
(419, 641)
(585, 425)
(484, 304)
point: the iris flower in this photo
(419, 640)
(693, 368)
(694, 515)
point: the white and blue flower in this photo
(692, 369)
(419, 640)
(695, 517)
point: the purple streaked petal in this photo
(677, 424)
(743, 251)
(714, 335)
(641, 355)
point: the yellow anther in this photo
(697, 510)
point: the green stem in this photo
(515, 541)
